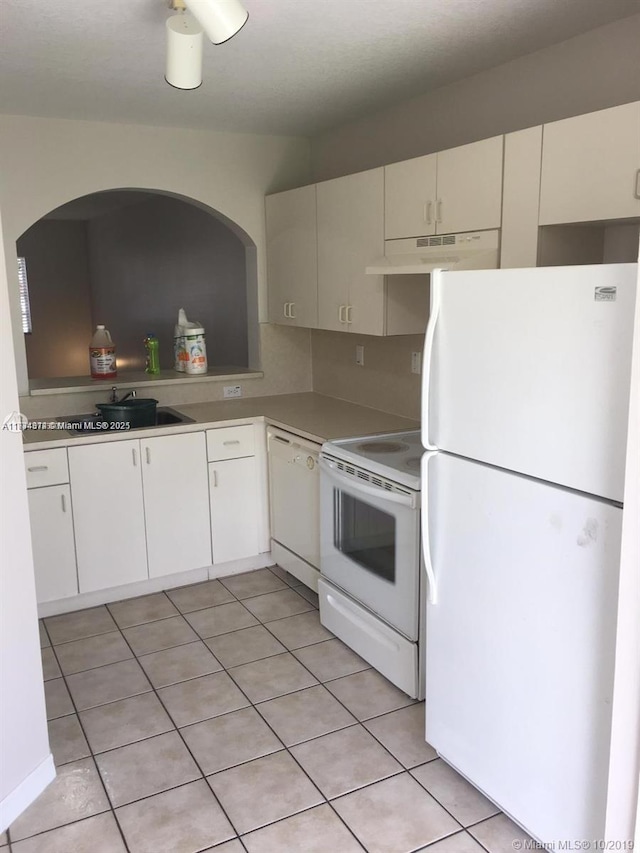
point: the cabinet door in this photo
(590, 166)
(470, 187)
(54, 553)
(235, 521)
(409, 198)
(292, 265)
(176, 503)
(106, 486)
(350, 235)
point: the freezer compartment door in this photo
(531, 371)
(386, 650)
(520, 646)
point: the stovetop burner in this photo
(395, 456)
(382, 447)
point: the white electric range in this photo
(370, 585)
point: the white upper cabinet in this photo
(176, 502)
(470, 187)
(350, 235)
(292, 270)
(590, 167)
(410, 197)
(452, 191)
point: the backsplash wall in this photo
(286, 364)
(384, 382)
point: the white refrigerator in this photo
(525, 402)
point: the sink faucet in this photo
(114, 395)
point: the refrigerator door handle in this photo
(432, 589)
(428, 354)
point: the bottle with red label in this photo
(102, 355)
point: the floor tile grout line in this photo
(358, 722)
(361, 723)
(193, 758)
(93, 755)
(255, 705)
(177, 729)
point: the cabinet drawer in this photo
(230, 442)
(46, 467)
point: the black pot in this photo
(137, 412)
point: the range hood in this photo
(418, 255)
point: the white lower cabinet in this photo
(106, 484)
(176, 503)
(238, 491)
(235, 518)
(54, 553)
(142, 509)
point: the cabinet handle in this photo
(439, 210)
(215, 479)
(63, 502)
(637, 192)
(227, 443)
(284, 308)
(292, 313)
(148, 455)
(341, 311)
(38, 468)
(135, 457)
(348, 313)
(428, 208)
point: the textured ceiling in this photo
(298, 67)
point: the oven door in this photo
(370, 543)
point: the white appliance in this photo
(419, 255)
(294, 495)
(525, 406)
(370, 551)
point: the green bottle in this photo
(153, 355)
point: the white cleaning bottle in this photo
(179, 351)
(196, 349)
(102, 355)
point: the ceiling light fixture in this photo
(219, 19)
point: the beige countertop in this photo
(315, 416)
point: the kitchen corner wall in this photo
(384, 382)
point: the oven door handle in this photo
(331, 471)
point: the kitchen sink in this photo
(94, 423)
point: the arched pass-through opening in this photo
(130, 259)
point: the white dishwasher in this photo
(294, 492)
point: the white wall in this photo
(589, 72)
(53, 161)
(25, 764)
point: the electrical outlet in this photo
(232, 390)
(360, 355)
(416, 362)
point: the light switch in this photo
(360, 355)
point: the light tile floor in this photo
(223, 717)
